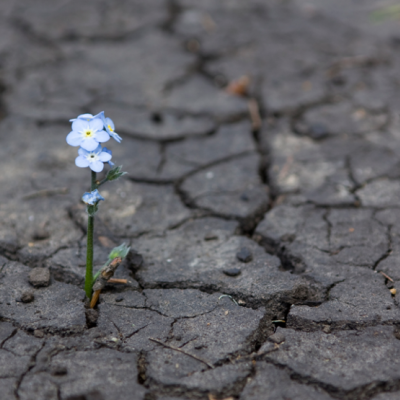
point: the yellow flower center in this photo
(88, 133)
(111, 129)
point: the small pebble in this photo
(119, 299)
(39, 277)
(38, 333)
(59, 370)
(232, 271)
(40, 234)
(210, 236)
(244, 255)
(318, 130)
(277, 338)
(135, 259)
(326, 329)
(27, 297)
(244, 197)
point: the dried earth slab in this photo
(340, 236)
(271, 383)
(182, 374)
(358, 361)
(58, 308)
(198, 96)
(380, 193)
(112, 373)
(181, 303)
(360, 299)
(202, 253)
(137, 208)
(131, 327)
(185, 157)
(232, 188)
(223, 334)
(87, 21)
(317, 170)
(338, 119)
(59, 92)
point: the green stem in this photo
(102, 182)
(89, 248)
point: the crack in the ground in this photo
(13, 333)
(387, 253)
(328, 326)
(325, 217)
(30, 367)
(54, 332)
(135, 332)
(362, 392)
(230, 390)
(247, 224)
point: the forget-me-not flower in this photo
(87, 134)
(93, 159)
(92, 198)
(110, 163)
(87, 117)
(109, 127)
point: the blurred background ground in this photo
(262, 141)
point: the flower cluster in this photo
(92, 198)
(88, 131)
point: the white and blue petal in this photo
(98, 149)
(99, 115)
(83, 152)
(102, 136)
(82, 162)
(110, 124)
(104, 156)
(80, 125)
(115, 136)
(96, 124)
(74, 138)
(89, 144)
(88, 117)
(96, 166)
(109, 127)
(92, 197)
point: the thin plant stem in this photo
(89, 247)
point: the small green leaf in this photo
(115, 173)
(120, 251)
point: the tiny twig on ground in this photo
(386, 276)
(182, 351)
(95, 298)
(105, 277)
(115, 280)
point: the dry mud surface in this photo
(297, 221)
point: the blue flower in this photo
(92, 198)
(109, 127)
(93, 159)
(87, 134)
(110, 163)
(86, 117)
